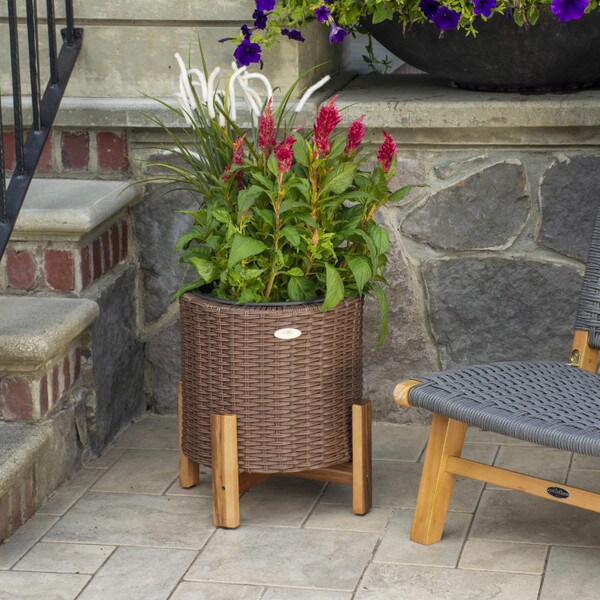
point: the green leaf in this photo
(381, 298)
(334, 293)
(380, 237)
(519, 18)
(382, 12)
(361, 270)
(295, 272)
(401, 193)
(290, 204)
(291, 235)
(301, 151)
(185, 240)
(246, 198)
(533, 14)
(242, 248)
(188, 287)
(340, 179)
(273, 165)
(205, 268)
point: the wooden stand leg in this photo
(361, 458)
(445, 440)
(225, 472)
(189, 471)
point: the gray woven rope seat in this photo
(543, 402)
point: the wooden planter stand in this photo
(228, 483)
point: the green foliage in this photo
(262, 233)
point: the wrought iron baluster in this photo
(3, 207)
(51, 41)
(34, 62)
(70, 31)
(16, 84)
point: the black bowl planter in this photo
(550, 56)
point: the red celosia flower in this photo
(284, 154)
(387, 151)
(327, 120)
(356, 133)
(237, 158)
(267, 136)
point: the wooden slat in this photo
(336, 474)
(189, 471)
(445, 441)
(402, 390)
(225, 473)
(362, 493)
(588, 357)
(250, 480)
(522, 483)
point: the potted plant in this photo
(484, 44)
(283, 247)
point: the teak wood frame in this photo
(228, 483)
(443, 462)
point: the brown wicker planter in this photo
(292, 398)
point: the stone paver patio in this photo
(123, 529)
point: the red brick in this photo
(112, 151)
(45, 163)
(77, 368)
(67, 373)
(15, 398)
(28, 500)
(124, 240)
(4, 518)
(115, 244)
(8, 143)
(44, 395)
(75, 150)
(60, 269)
(16, 508)
(96, 259)
(105, 242)
(20, 269)
(55, 386)
(86, 268)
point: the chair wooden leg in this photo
(445, 440)
(362, 493)
(225, 471)
(189, 471)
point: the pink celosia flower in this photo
(327, 120)
(356, 133)
(387, 151)
(267, 136)
(284, 154)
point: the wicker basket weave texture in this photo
(292, 398)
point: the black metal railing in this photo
(30, 137)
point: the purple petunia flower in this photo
(260, 19)
(293, 34)
(569, 10)
(322, 13)
(429, 7)
(246, 53)
(337, 34)
(246, 31)
(265, 5)
(446, 18)
(484, 7)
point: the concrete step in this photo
(44, 342)
(69, 234)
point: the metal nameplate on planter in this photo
(558, 492)
(287, 333)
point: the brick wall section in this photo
(78, 152)
(17, 506)
(31, 396)
(67, 267)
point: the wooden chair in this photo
(547, 403)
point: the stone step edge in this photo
(18, 492)
(41, 328)
(69, 209)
